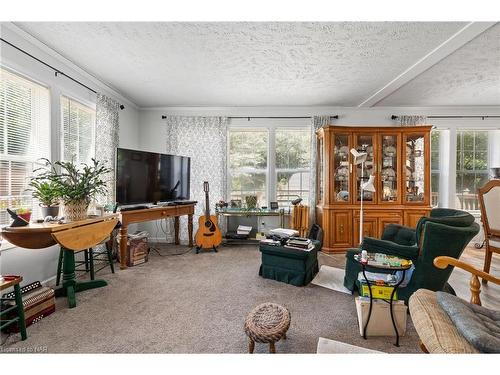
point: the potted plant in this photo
(48, 195)
(76, 187)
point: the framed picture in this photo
(273, 205)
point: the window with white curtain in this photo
(24, 139)
(78, 131)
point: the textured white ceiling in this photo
(257, 64)
(469, 76)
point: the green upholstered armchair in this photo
(446, 232)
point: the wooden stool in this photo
(267, 323)
(18, 306)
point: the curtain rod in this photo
(267, 117)
(56, 71)
(394, 117)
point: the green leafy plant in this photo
(45, 191)
(74, 184)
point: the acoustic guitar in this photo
(208, 235)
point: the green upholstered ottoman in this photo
(290, 266)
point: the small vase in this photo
(76, 210)
(52, 211)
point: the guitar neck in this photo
(207, 206)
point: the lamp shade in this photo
(368, 185)
(359, 157)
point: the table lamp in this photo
(360, 158)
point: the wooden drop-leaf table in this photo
(72, 237)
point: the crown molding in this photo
(67, 64)
(319, 110)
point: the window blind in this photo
(24, 139)
(78, 131)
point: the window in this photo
(78, 128)
(24, 139)
(272, 163)
(472, 167)
(435, 137)
(248, 164)
(293, 158)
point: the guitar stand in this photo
(199, 248)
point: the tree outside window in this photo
(248, 164)
(293, 158)
(435, 137)
(286, 179)
(472, 167)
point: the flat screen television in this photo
(148, 177)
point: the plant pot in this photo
(76, 210)
(52, 211)
(26, 216)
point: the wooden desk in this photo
(154, 213)
(72, 237)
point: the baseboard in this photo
(49, 280)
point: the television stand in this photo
(154, 213)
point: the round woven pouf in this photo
(267, 323)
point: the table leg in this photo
(123, 247)
(190, 229)
(390, 307)
(176, 230)
(371, 302)
(20, 311)
(70, 286)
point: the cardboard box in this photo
(378, 291)
(380, 321)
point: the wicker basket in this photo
(76, 211)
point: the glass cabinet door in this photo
(414, 168)
(389, 168)
(364, 143)
(320, 176)
(341, 171)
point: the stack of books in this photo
(243, 230)
(299, 243)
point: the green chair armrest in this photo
(375, 245)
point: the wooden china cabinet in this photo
(398, 157)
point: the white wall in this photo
(41, 264)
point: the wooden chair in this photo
(437, 332)
(18, 307)
(489, 200)
(300, 219)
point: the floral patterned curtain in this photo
(106, 141)
(316, 123)
(204, 140)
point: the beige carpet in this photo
(197, 304)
